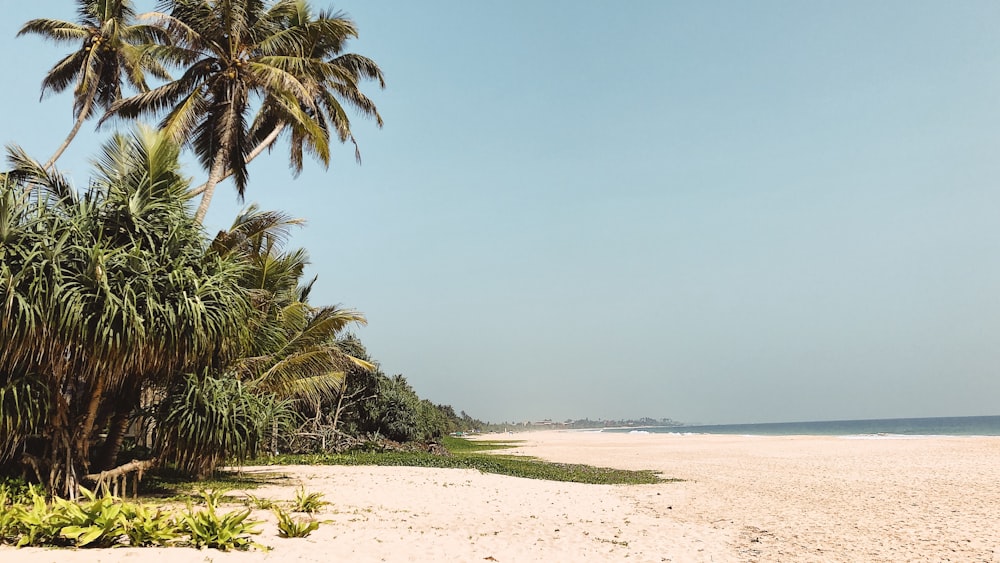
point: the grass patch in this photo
(173, 487)
(466, 454)
(463, 446)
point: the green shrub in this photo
(95, 522)
(310, 503)
(144, 527)
(38, 523)
(19, 491)
(9, 518)
(289, 527)
(258, 503)
(466, 455)
(206, 421)
(208, 528)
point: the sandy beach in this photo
(741, 499)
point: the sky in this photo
(716, 212)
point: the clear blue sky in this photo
(710, 211)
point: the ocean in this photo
(942, 426)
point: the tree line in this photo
(125, 329)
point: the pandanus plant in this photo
(102, 294)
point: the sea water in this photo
(944, 426)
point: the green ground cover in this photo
(469, 454)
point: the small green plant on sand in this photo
(38, 523)
(146, 527)
(258, 502)
(19, 491)
(289, 527)
(94, 522)
(308, 502)
(208, 528)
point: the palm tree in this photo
(295, 352)
(338, 83)
(236, 51)
(112, 52)
(104, 293)
(293, 355)
(233, 50)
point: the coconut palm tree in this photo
(236, 51)
(105, 292)
(112, 52)
(233, 50)
(335, 85)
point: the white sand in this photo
(743, 499)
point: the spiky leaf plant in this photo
(103, 294)
(308, 502)
(289, 527)
(207, 420)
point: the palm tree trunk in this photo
(267, 142)
(113, 443)
(84, 114)
(83, 433)
(215, 175)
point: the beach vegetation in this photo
(289, 527)
(106, 293)
(233, 53)
(308, 502)
(466, 455)
(145, 526)
(107, 521)
(258, 503)
(133, 342)
(207, 527)
(112, 54)
(207, 420)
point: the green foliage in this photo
(212, 497)
(258, 502)
(95, 522)
(388, 406)
(308, 502)
(144, 526)
(289, 527)
(290, 61)
(207, 528)
(23, 407)
(463, 446)
(397, 409)
(102, 293)
(18, 491)
(38, 523)
(107, 521)
(209, 420)
(9, 518)
(467, 457)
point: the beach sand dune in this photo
(742, 499)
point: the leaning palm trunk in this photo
(84, 114)
(215, 176)
(113, 443)
(267, 142)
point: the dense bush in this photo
(206, 421)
